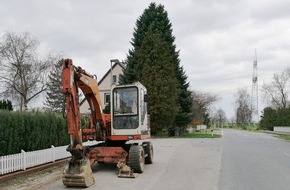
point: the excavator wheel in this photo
(148, 148)
(137, 158)
(78, 174)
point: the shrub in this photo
(31, 131)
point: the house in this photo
(105, 86)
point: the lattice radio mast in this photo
(254, 96)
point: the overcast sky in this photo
(216, 38)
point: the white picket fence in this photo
(23, 160)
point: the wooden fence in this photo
(23, 160)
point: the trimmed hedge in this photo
(275, 117)
(31, 131)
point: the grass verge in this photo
(199, 135)
(285, 137)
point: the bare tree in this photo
(220, 116)
(22, 72)
(243, 107)
(202, 101)
(276, 92)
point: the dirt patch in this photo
(33, 180)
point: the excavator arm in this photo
(74, 78)
(78, 171)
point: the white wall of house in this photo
(84, 108)
(104, 87)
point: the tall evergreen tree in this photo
(156, 18)
(155, 70)
(184, 116)
(54, 97)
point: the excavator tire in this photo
(78, 174)
(148, 148)
(137, 158)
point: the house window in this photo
(114, 78)
(107, 98)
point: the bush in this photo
(31, 131)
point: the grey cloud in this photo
(216, 38)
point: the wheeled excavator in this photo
(121, 135)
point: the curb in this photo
(276, 133)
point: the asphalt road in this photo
(254, 161)
(239, 160)
(185, 164)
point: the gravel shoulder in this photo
(33, 180)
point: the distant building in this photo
(105, 87)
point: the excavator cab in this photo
(129, 120)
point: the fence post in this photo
(23, 153)
(53, 153)
(1, 165)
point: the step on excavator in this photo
(121, 135)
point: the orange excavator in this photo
(119, 134)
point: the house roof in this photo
(122, 65)
(108, 72)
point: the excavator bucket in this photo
(78, 173)
(124, 170)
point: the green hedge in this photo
(31, 131)
(275, 117)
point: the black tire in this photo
(148, 148)
(137, 158)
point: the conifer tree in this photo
(6, 105)
(155, 70)
(9, 105)
(185, 101)
(54, 97)
(156, 18)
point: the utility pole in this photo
(254, 95)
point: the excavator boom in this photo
(78, 171)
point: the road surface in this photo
(240, 160)
(254, 161)
(185, 164)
